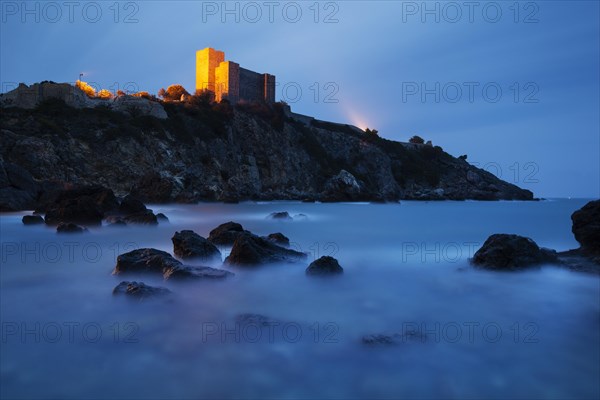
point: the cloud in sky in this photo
(543, 56)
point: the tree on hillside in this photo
(416, 140)
(202, 97)
(373, 132)
(173, 93)
(105, 94)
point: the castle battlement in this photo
(227, 80)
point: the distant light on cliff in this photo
(356, 119)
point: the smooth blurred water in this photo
(531, 334)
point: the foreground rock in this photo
(225, 234)
(511, 252)
(586, 227)
(325, 265)
(32, 220)
(188, 244)
(249, 249)
(140, 290)
(85, 205)
(160, 262)
(69, 227)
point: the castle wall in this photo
(251, 85)
(226, 79)
(269, 88)
(227, 82)
(207, 61)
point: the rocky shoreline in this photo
(219, 152)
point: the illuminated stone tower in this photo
(207, 61)
(227, 80)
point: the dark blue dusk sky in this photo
(514, 85)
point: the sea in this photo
(409, 317)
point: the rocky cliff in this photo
(218, 152)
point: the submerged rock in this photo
(511, 252)
(32, 220)
(162, 217)
(69, 227)
(378, 339)
(139, 290)
(225, 234)
(149, 260)
(255, 319)
(396, 338)
(281, 215)
(249, 249)
(325, 265)
(188, 244)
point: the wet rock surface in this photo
(155, 261)
(279, 239)
(249, 250)
(506, 252)
(586, 227)
(325, 265)
(226, 234)
(189, 245)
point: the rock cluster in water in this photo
(506, 252)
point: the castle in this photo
(227, 80)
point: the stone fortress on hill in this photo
(227, 80)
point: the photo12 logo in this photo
(53, 12)
(469, 91)
(61, 252)
(517, 172)
(253, 12)
(438, 252)
(68, 332)
(453, 12)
